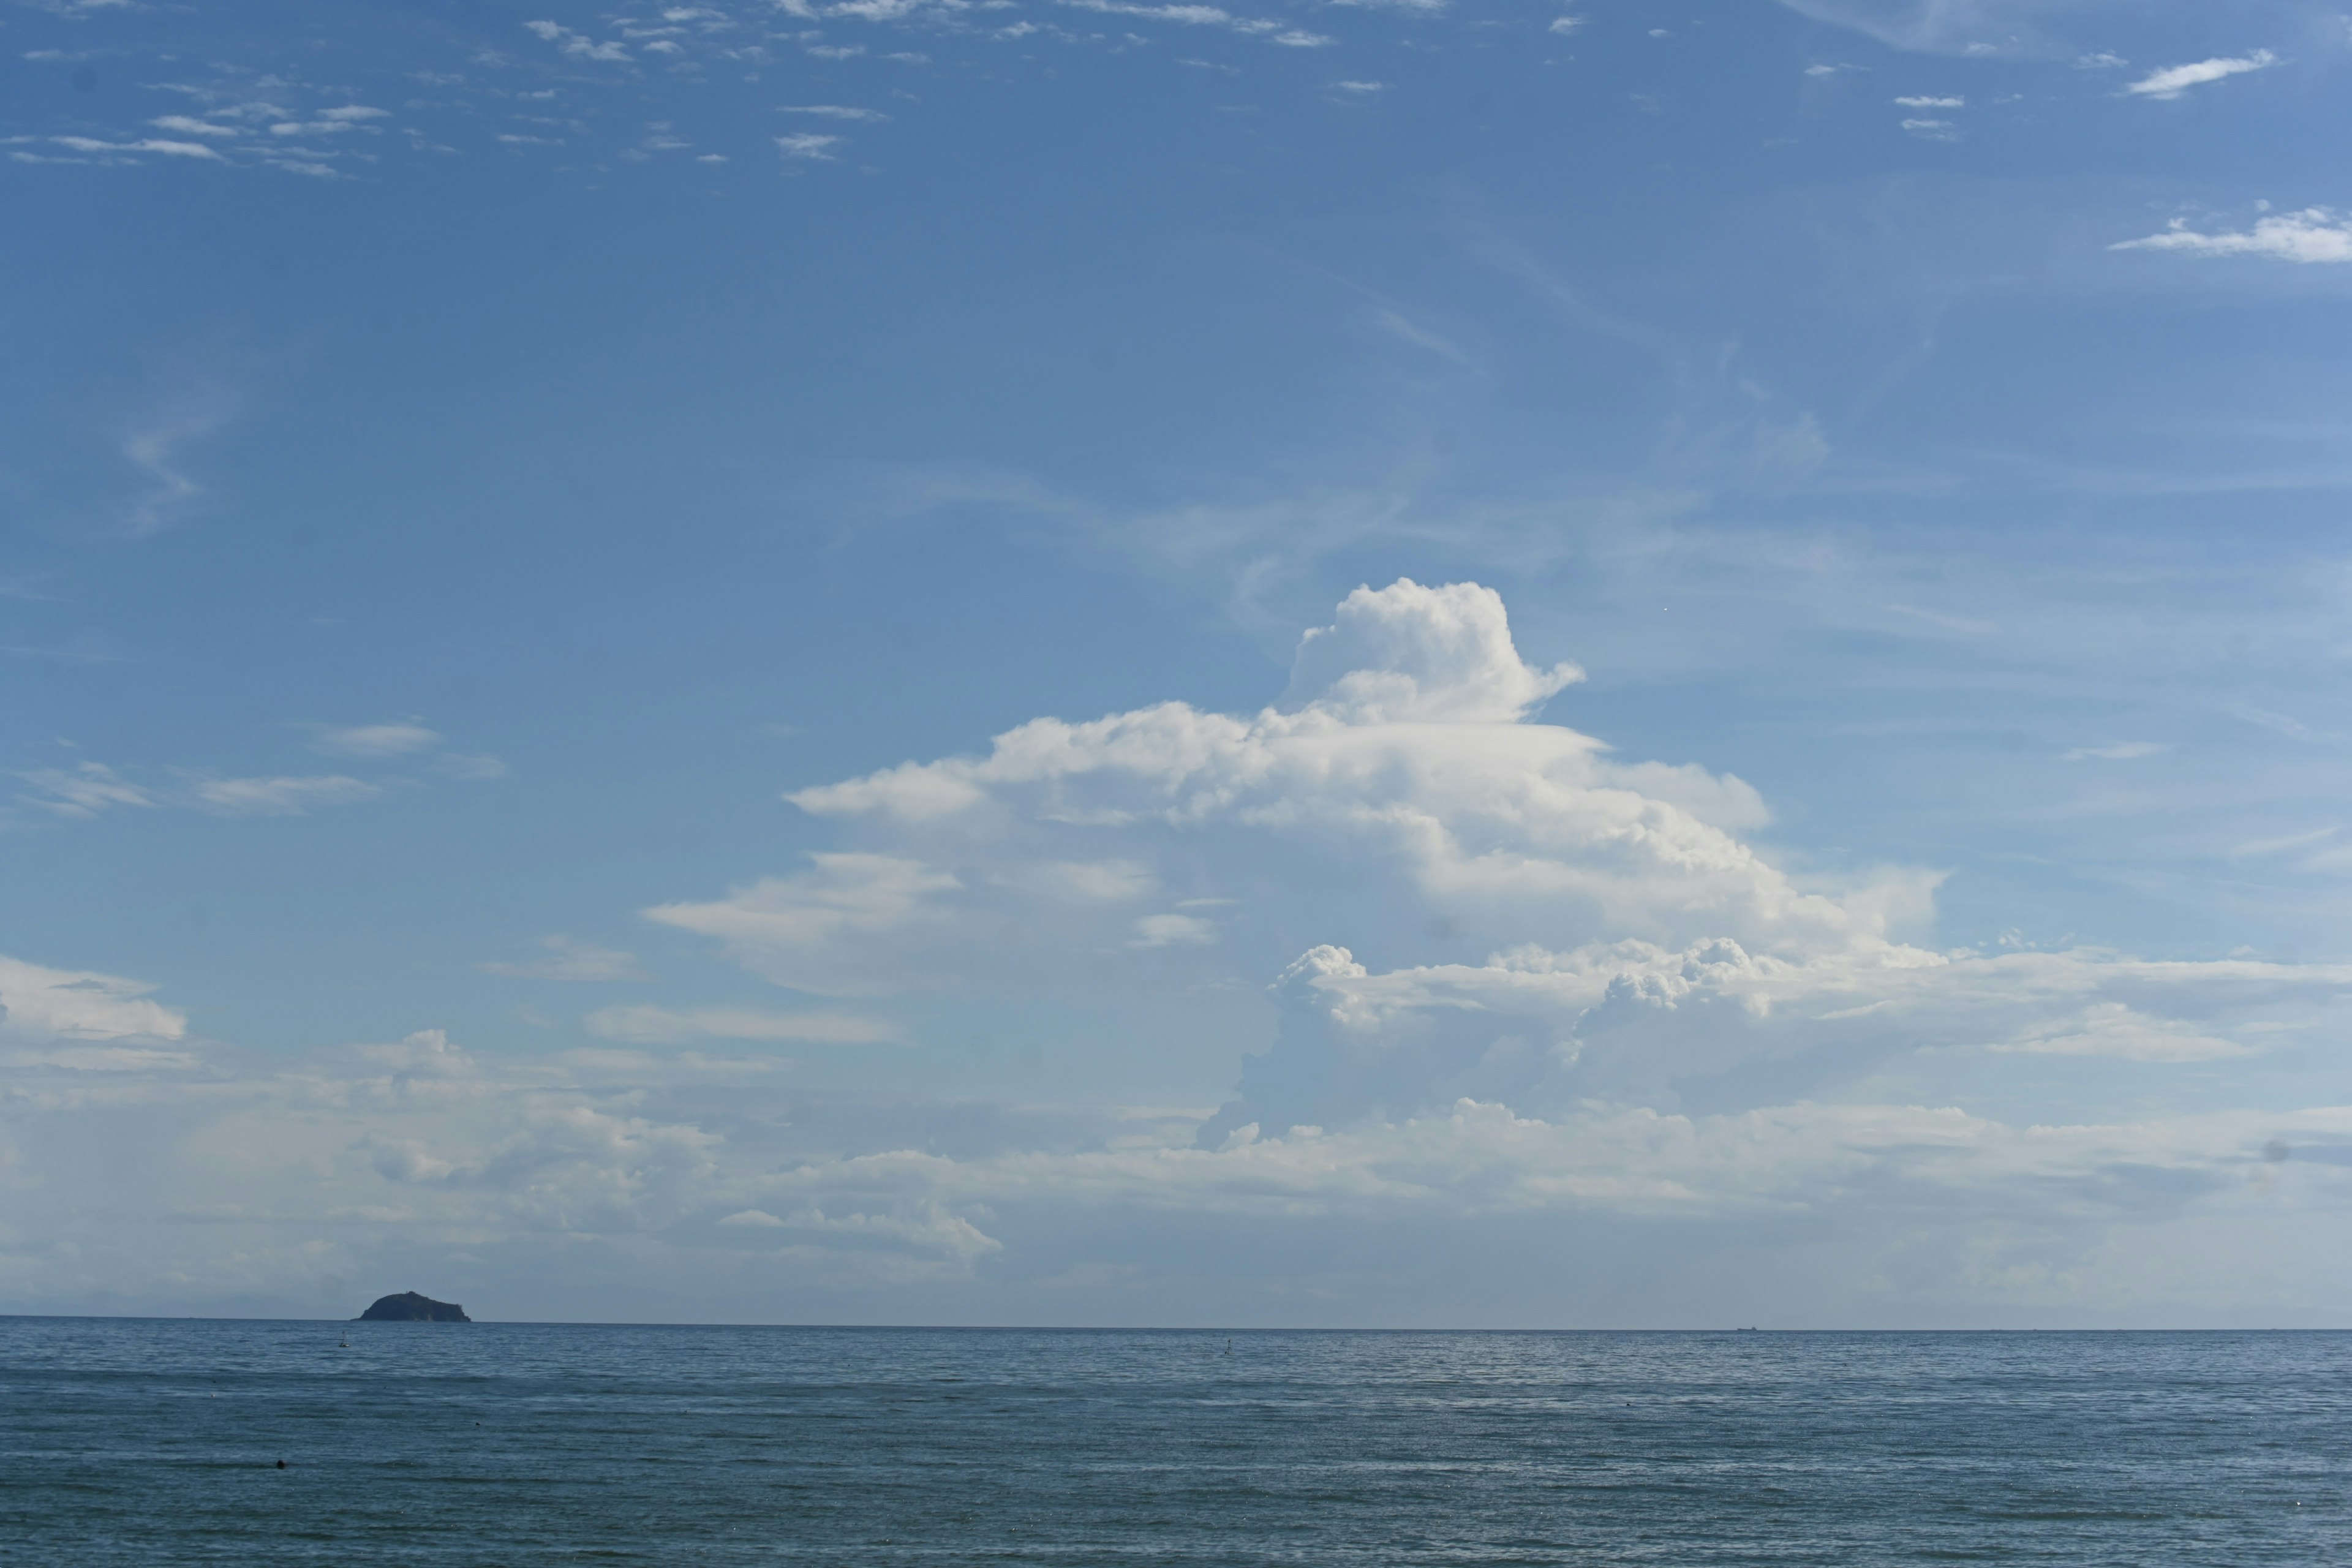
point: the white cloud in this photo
(1932, 130)
(807, 144)
(186, 126)
(83, 791)
(2174, 81)
(354, 112)
(2116, 751)
(43, 1005)
(377, 739)
(2255, 848)
(2114, 1029)
(1933, 102)
(576, 46)
(571, 960)
(836, 931)
(1517, 980)
(477, 767)
(655, 1025)
(1198, 16)
(2313, 235)
(154, 443)
(1173, 930)
(832, 111)
(281, 796)
(1361, 88)
(1410, 653)
(585, 1173)
(1566, 24)
(1081, 881)
(158, 145)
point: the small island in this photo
(408, 1307)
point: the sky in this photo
(1436, 663)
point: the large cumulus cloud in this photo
(1507, 979)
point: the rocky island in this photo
(408, 1307)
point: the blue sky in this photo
(1452, 663)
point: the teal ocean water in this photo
(151, 1441)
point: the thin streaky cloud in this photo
(809, 145)
(2116, 752)
(2256, 849)
(573, 960)
(377, 739)
(281, 796)
(652, 1025)
(2174, 81)
(84, 791)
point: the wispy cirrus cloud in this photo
(285, 795)
(83, 791)
(89, 789)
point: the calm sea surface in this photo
(157, 1441)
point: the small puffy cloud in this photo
(377, 739)
(652, 1025)
(2174, 81)
(832, 111)
(1933, 102)
(281, 796)
(1408, 652)
(1932, 130)
(1173, 930)
(1360, 89)
(38, 1004)
(2313, 235)
(576, 46)
(569, 960)
(353, 112)
(1566, 24)
(808, 145)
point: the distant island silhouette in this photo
(408, 1307)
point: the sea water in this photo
(151, 1441)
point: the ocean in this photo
(157, 1441)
